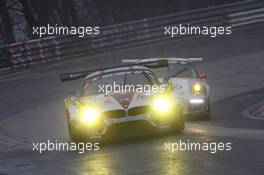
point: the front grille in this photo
(122, 113)
(114, 114)
(138, 110)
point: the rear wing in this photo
(74, 75)
(79, 75)
(142, 60)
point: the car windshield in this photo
(128, 77)
(176, 70)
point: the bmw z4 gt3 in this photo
(127, 109)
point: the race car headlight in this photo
(90, 115)
(197, 88)
(161, 104)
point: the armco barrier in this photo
(59, 48)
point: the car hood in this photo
(116, 101)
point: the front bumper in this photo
(196, 106)
(129, 127)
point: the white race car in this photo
(115, 103)
(188, 85)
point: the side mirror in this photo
(202, 75)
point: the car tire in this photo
(179, 124)
(207, 116)
(75, 136)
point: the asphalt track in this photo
(31, 110)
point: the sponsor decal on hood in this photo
(123, 98)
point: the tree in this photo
(7, 24)
(68, 13)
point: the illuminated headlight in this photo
(162, 104)
(90, 115)
(197, 88)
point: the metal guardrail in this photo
(59, 48)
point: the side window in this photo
(182, 71)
